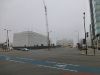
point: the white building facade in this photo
(29, 38)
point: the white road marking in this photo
(58, 68)
(24, 58)
(17, 61)
(63, 63)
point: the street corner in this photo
(79, 73)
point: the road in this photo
(59, 61)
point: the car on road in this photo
(25, 49)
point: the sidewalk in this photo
(90, 51)
(4, 50)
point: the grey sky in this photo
(65, 17)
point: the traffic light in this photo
(87, 34)
(84, 41)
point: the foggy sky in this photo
(65, 17)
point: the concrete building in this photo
(29, 39)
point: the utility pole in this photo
(7, 39)
(46, 18)
(85, 32)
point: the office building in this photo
(95, 20)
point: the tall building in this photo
(29, 39)
(95, 18)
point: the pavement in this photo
(59, 61)
(90, 52)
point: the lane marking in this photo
(63, 63)
(59, 68)
(24, 58)
(17, 61)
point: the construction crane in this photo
(47, 27)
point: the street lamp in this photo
(85, 32)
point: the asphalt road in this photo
(69, 56)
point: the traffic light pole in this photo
(85, 32)
(7, 40)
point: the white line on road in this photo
(24, 58)
(16, 61)
(58, 68)
(63, 63)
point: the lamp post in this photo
(46, 18)
(85, 32)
